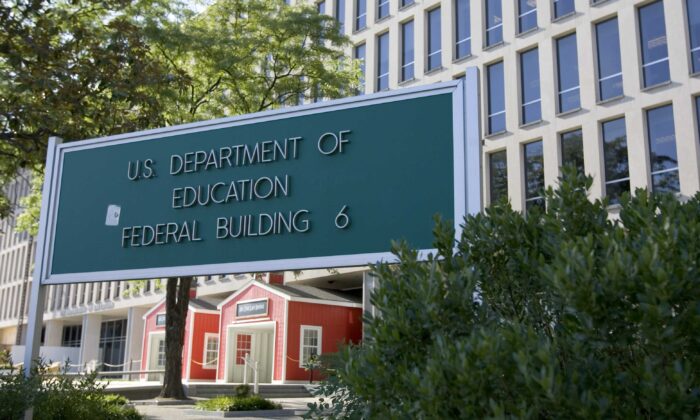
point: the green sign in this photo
(324, 185)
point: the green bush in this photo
(566, 313)
(60, 397)
(227, 403)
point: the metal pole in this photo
(255, 378)
(245, 369)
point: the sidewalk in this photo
(179, 412)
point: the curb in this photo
(285, 412)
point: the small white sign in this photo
(113, 212)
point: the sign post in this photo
(317, 186)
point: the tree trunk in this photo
(177, 299)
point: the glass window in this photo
(321, 7)
(617, 177)
(497, 100)
(563, 8)
(434, 48)
(498, 176)
(530, 86)
(527, 15)
(609, 63)
(340, 14)
(160, 319)
(463, 37)
(243, 346)
(360, 14)
(211, 351)
(662, 149)
(405, 3)
(310, 343)
(567, 73)
(693, 9)
(72, 335)
(407, 53)
(383, 61)
(572, 149)
(382, 9)
(360, 54)
(697, 114)
(494, 22)
(534, 175)
(652, 30)
(160, 361)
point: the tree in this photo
(563, 313)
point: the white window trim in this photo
(319, 348)
(214, 365)
(156, 319)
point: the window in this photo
(407, 52)
(405, 3)
(383, 62)
(498, 176)
(243, 343)
(693, 10)
(617, 177)
(434, 48)
(113, 344)
(662, 149)
(360, 14)
(497, 100)
(382, 9)
(160, 319)
(567, 73)
(534, 175)
(563, 8)
(211, 351)
(527, 15)
(310, 343)
(494, 22)
(530, 86)
(652, 30)
(463, 38)
(321, 7)
(160, 361)
(697, 114)
(572, 149)
(609, 63)
(340, 14)
(360, 54)
(71, 335)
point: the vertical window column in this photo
(527, 15)
(617, 175)
(693, 10)
(407, 51)
(563, 8)
(572, 149)
(496, 98)
(654, 44)
(662, 149)
(383, 62)
(567, 74)
(463, 36)
(382, 9)
(360, 54)
(530, 86)
(494, 22)
(534, 175)
(360, 14)
(434, 45)
(340, 14)
(609, 61)
(498, 176)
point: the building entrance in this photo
(257, 343)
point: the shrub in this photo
(562, 313)
(242, 390)
(229, 403)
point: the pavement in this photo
(182, 412)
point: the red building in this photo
(280, 327)
(199, 353)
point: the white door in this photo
(156, 359)
(258, 344)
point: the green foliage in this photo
(60, 397)
(237, 403)
(242, 390)
(557, 314)
(28, 219)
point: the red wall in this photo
(275, 313)
(340, 325)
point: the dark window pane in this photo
(534, 173)
(321, 7)
(496, 94)
(405, 3)
(494, 22)
(527, 15)
(407, 52)
(383, 61)
(340, 14)
(360, 14)
(572, 150)
(530, 86)
(382, 9)
(498, 176)
(462, 28)
(360, 52)
(662, 149)
(654, 44)
(563, 8)
(567, 72)
(434, 49)
(609, 65)
(693, 8)
(616, 160)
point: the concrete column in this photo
(134, 336)
(53, 333)
(90, 343)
